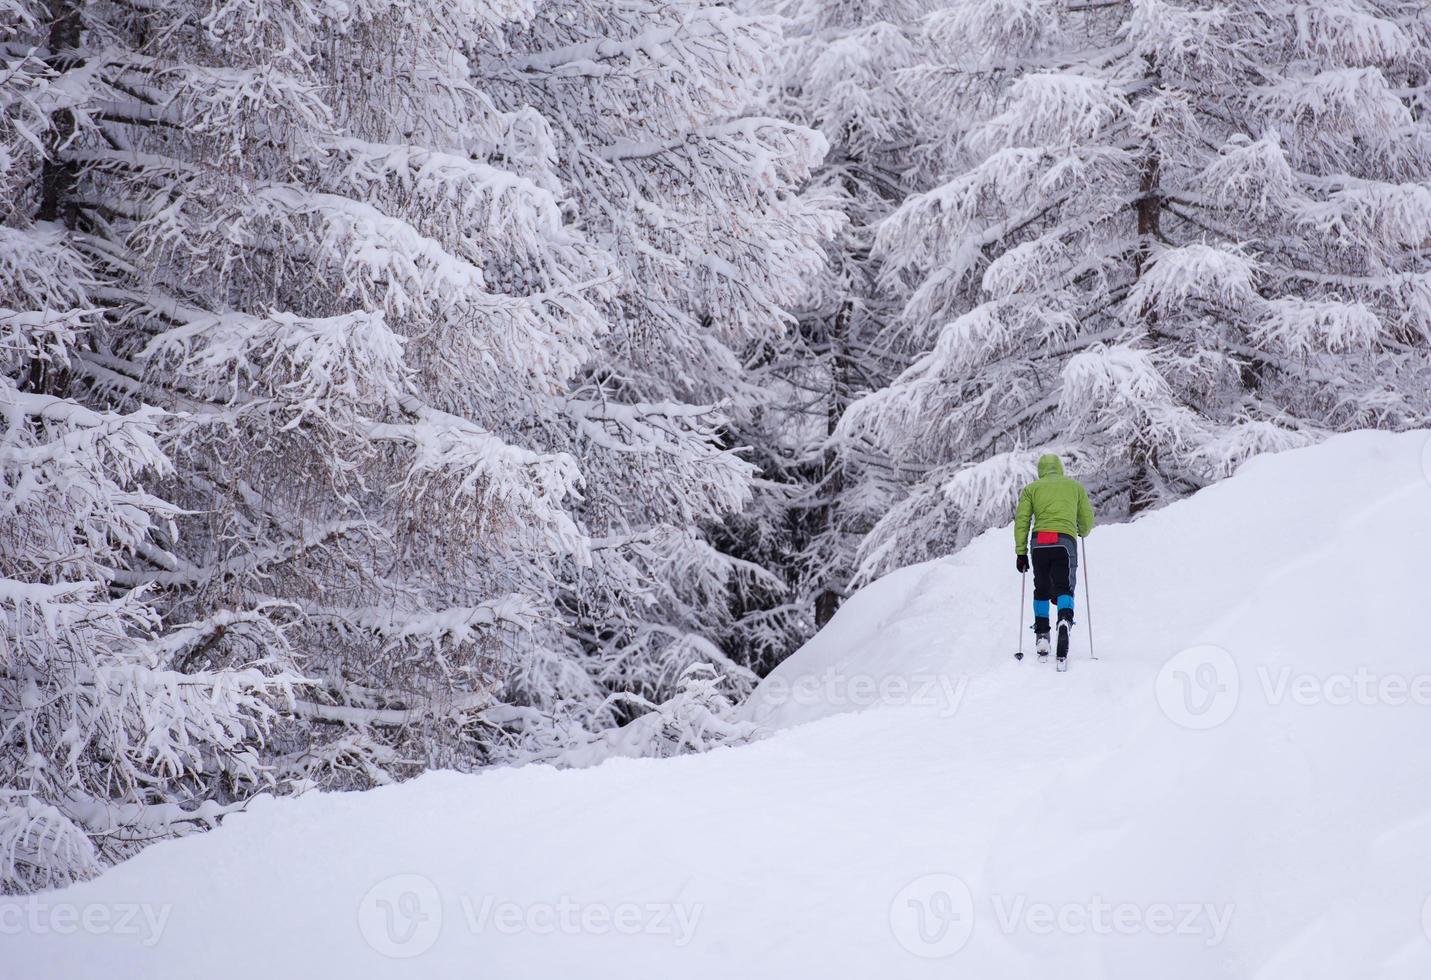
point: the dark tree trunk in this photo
(1149, 207)
(833, 478)
(1142, 493)
(57, 178)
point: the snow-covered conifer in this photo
(845, 69)
(348, 274)
(446, 308)
(110, 735)
(694, 198)
(1177, 234)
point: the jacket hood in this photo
(1050, 465)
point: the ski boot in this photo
(1065, 627)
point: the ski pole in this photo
(1023, 584)
(1087, 596)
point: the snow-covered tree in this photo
(108, 739)
(348, 274)
(1176, 234)
(109, 736)
(845, 69)
(444, 310)
(695, 201)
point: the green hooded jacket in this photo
(1053, 502)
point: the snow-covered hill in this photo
(1239, 787)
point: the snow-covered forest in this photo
(396, 386)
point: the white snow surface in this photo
(1081, 825)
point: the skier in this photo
(1058, 508)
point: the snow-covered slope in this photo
(1239, 787)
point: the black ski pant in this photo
(1055, 572)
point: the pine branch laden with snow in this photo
(1175, 235)
(698, 717)
(648, 104)
(356, 289)
(430, 357)
(107, 739)
(846, 69)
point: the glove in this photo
(1022, 563)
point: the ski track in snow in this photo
(1304, 823)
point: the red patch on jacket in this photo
(1045, 537)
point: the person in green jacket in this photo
(1058, 509)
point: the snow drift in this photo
(1239, 787)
